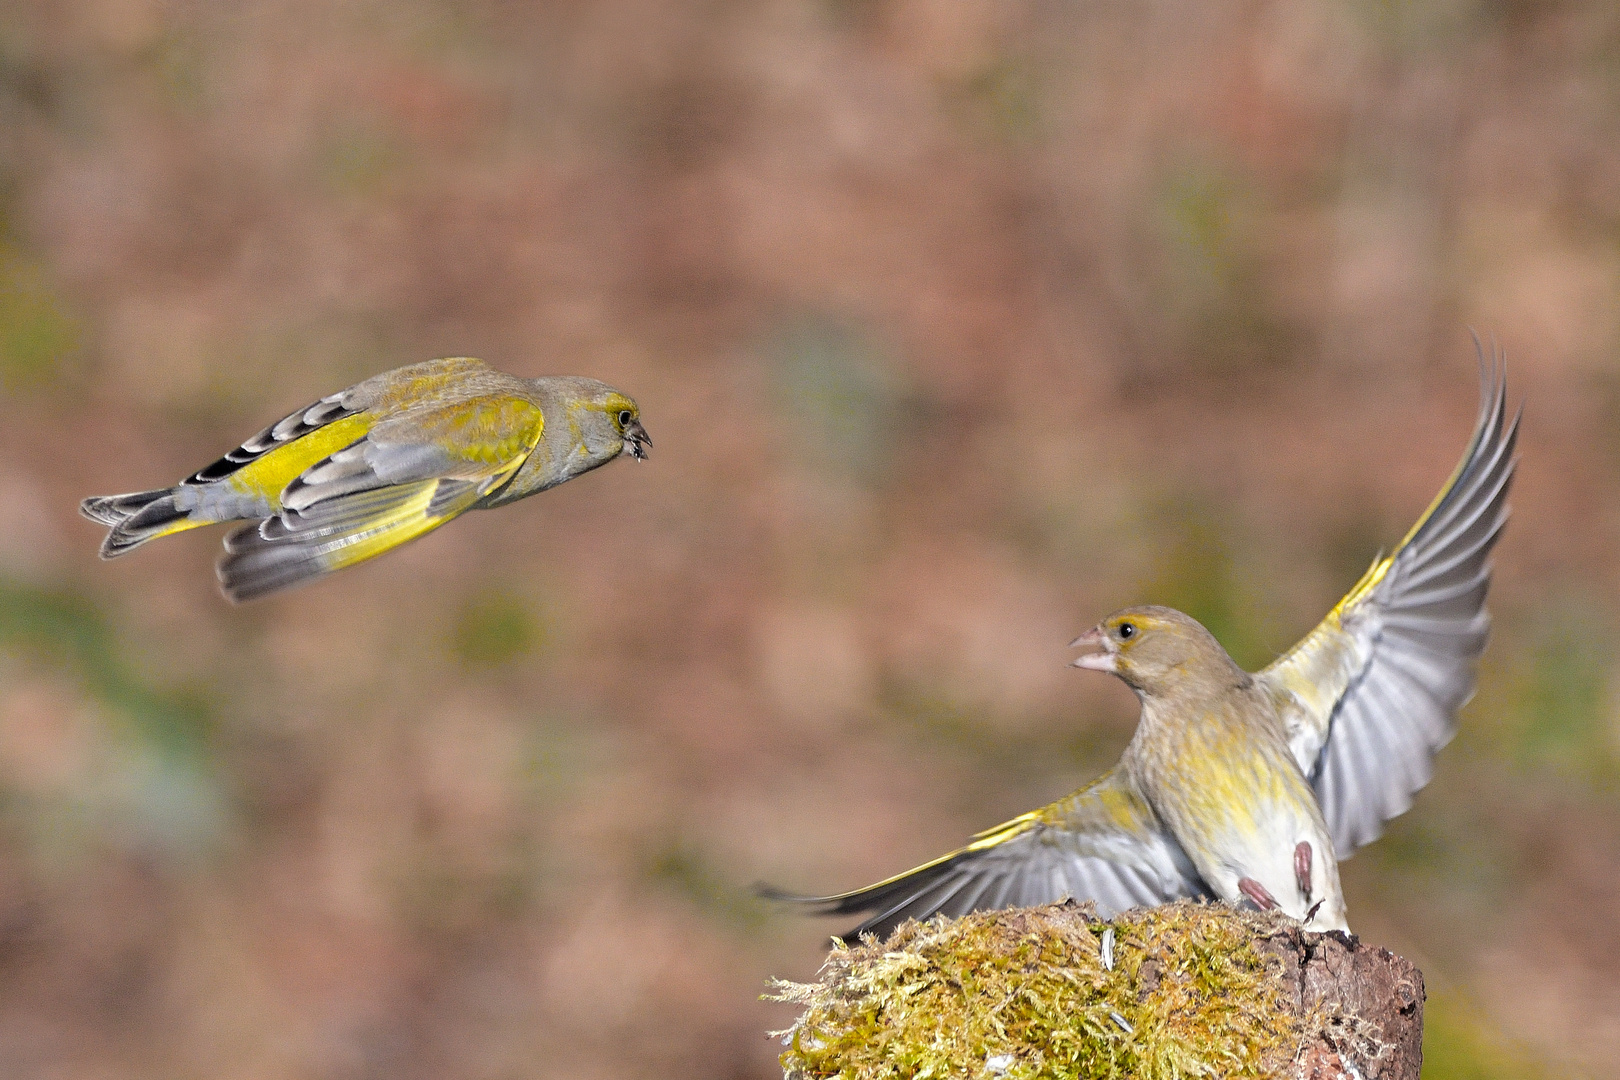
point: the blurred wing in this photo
(294, 547)
(407, 476)
(1103, 843)
(1372, 692)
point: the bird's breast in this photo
(1225, 786)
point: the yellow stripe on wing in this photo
(269, 475)
(988, 839)
(405, 521)
(1305, 667)
(1324, 664)
(1105, 803)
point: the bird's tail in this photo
(135, 518)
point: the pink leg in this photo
(1302, 868)
(1257, 892)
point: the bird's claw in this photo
(1258, 893)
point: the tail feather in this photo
(110, 510)
(135, 518)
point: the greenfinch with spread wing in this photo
(1251, 787)
(364, 470)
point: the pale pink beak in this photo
(1104, 659)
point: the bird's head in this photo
(1156, 650)
(609, 424)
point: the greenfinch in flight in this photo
(364, 470)
(1251, 787)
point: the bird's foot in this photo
(1302, 869)
(1258, 893)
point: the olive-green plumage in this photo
(364, 470)
(1251, 787)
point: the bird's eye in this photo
(1126, 631)
(625, 418)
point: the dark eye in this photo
(625, 418)
(1126, 630)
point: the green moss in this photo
(1025, 994)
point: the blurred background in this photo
(957, 324)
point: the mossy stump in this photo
(1186, 990)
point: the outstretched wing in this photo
(1372, 693)
(1103, 843)
(405, 477)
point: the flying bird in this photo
(364, 470)
(1251, 787)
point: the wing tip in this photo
(764, 890)
(253, 567)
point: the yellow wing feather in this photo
(269, 475)
(493, 436)
(340, 511)
(407, 521)
(495, 432)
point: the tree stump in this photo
(1184, 990)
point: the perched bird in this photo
(362, 471)
(1251, 787)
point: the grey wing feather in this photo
(1374, 690)
(371, 463)
(1033, 868)
(365, 497)
(1100, 844)
(298, 545)
(342, 515)
(295, 425)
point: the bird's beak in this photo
(1101, 660)
(636, 440)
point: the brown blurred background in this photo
(957, 323)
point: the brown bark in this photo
(1369, 1001)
